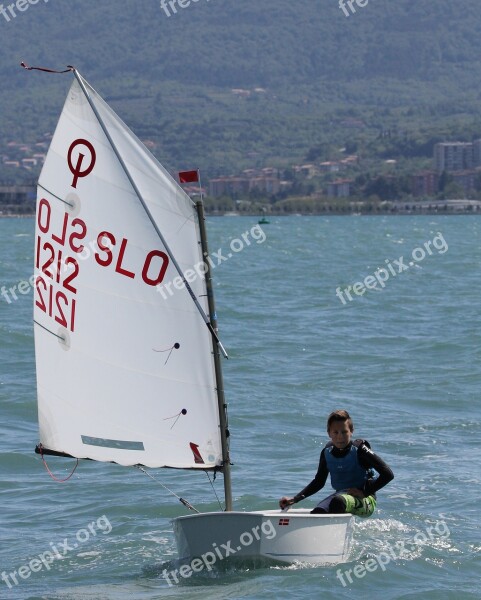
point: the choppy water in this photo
(404, 360)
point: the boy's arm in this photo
(317, 483)
(369, 460)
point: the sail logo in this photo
(77, 170)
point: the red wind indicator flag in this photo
(188, 176)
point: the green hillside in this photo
(328, 81)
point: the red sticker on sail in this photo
(197, 457)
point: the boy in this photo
(350, 465)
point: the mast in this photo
(224, 432)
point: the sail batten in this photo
(105, 392)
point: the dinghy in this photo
(128, 356)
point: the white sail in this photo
(124, 373)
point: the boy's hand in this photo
(284, 502)
(355, 492)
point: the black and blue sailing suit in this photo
(350, 467)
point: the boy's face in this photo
(340, 434)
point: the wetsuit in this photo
(340, 502)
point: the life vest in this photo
(346, 472)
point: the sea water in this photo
(377, 315)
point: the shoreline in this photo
(452, 206)
(332, 213)
(16, 216)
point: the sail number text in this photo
(56, 285)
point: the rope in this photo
(212, 484)
(50, 472)
(67, 70)
(182, 500)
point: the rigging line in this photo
(176, 417)
(176, 346)
(212, 484)
(182, 500)
(40, 447)
(57, 336)
(55, 196)
(147, 210)
(187, 219)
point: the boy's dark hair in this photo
(339, 415)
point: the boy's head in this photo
(340, 428)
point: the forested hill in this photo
(249, 42)
(410, 64)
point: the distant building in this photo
(456, 156)
(228, 186)
(341, 188)
(351, 160)
(307, 171)
(241, 186)
(268, 185)
(466, 180)
(265, 172)
(15, 195)
(425, 183)
(28, 163)
(329, 166)
(477, 153)
(270, 172)
(194, 190)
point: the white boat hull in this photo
(293, 536)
